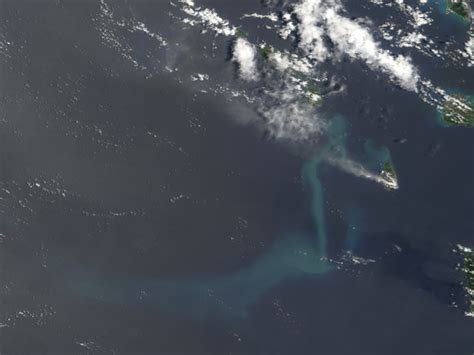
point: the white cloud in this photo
(272, 17)
(289, 118)
(208, 18)
(245, 55)
(319, 18)
(285, 60)
(309, 14)
(292, 121)
(356, 41)
(469, 50)
(280, 60)
(287, 113)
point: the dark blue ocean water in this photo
(142, 216)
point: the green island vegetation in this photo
(461, 8)
(388, 168)
(265, 51)
(313, 94)
(458, 111)
(389, 175)
(311, 90)
(468, 269)
(241, 33)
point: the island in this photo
(313, 94)
(266, 51)
(458, 110)
(460, 8)
(388, 176)
(468, 270)
(307, 87)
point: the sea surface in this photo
(141, 213)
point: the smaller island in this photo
(458, 110)
(460, 8)
(304, 85)
(266, 51)
(388, 176)
(313, 94)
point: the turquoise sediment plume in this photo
(376, 156)
(230, 296)
(291, 256)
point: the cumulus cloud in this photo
(311, 34)
(320, 18)
(470, 47)
(208, 18)
(289, 118)
(285, 60)
(351, 38)
(324, 33)
(292, 121)
(245, 55)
